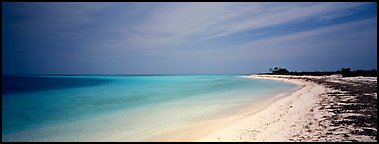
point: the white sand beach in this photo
(301, 116)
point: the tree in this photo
(277, 70)
(345, 72)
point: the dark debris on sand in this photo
(354, 104)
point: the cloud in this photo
(158, 25)
(175, 28)
(350, 44)
(191, 22)
(337, 30)
(182, 35)
(332, 38)
(285, 14)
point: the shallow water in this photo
(120, 107)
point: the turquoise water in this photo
(95, 108)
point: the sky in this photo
(186, 38)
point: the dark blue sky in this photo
(186, 38)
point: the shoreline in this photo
(304, 115)
(259, 126)
(202, 127)
(318, 108)
(183, 131)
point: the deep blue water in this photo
(25, 84)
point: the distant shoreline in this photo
(109, 74)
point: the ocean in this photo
(123, 107)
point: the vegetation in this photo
(277, 70)
(345, 72)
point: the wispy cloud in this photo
(337, 31)
(325, 47)
(205, 21)
(169, 23)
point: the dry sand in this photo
(315, 112)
